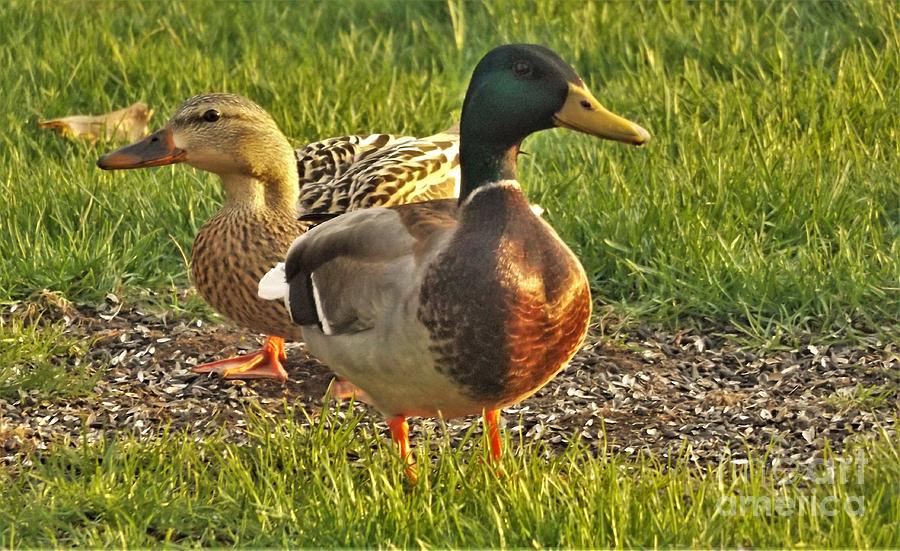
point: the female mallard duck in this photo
(266, 185)
(449, 308)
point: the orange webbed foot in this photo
(264, 364)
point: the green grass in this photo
(769, 198)
(41, 358)
(860, 396)
(337, 483)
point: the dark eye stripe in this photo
(196, 119)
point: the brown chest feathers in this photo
(510, 307)
(232, 251)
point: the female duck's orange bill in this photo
(157, 149)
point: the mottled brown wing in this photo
(320, 163)
(356, 172)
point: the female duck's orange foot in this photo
(265, 364)
(400, 436)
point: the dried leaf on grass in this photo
(128, 124)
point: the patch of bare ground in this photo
(702, 397)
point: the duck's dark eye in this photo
(522, 68)
(211, 116)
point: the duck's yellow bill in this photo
(582, 112)
(157, 149)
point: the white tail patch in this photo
(273, 286)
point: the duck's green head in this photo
(519, 89)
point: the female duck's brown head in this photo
(225, 134)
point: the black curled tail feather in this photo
(302, 300)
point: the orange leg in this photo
(492, 422)
(264, 364)
(400, 435)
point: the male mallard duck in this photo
(267, 184)
(450, 308)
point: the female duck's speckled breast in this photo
(232, 251)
